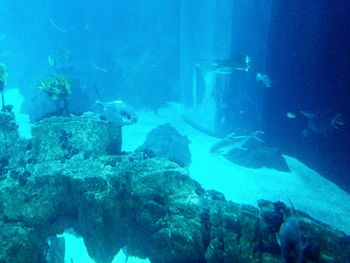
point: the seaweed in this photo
(58, 88)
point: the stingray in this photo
(323, 122)
(232, 141)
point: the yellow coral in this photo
(57, 87)
(3, 73)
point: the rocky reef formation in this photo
(165, 141)
(149, 205)
(60, 137)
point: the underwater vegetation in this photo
(3, 79)
(58, 88)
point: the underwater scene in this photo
(172, 131)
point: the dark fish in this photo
(291, 240)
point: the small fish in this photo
(291, 115)
(98, 68)
(116, 111)
(51, 60)
(60, 28)
(264, 79)
(248, 61)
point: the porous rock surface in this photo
(149, 205)
(165, 141)
(60, 137)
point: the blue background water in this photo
(309, 51)
(147, 49)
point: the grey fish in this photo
(264, 79)
(323, 122)
(116, 111)
(291, 239)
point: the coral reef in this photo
(149, 205)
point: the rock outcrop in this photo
(149, 205)
(61, 137)
(165, 141)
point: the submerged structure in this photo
(148, 204)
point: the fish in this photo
(51, 60)
(291, 115)
(291, 240)
(116, 111)
(60, 28)
(324, 122)
(98, 68)
(264, 79)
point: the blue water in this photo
(148, 53)
(308, 59)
